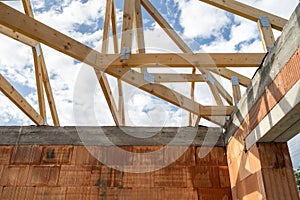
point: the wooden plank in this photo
(44, 74)
(48, 90)
(17, 36)
(107, 17)
(42, 33)
(178, 78)
(39, 82)
(8, 90)
(165, 25)
(266, 35)
(236, 90)
(247, 12)
(226, 73)
(126, 41)
(186, 60)
(138, 28)
(103, 81)
(116, 50)
(114, 27)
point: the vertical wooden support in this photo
(266, 33)
(236, 90)
(39, 80)
(126, 40)
(8, 90)
(138, 28)
(42, 75)
(103, 81)
(121, 111)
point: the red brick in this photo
(85, 155)
(5, 152)
(180, 193)
(136, 180)
(110, 178)
(57, 154)
(211, 156)
(116, 156)
(179, 155)
(224, 176)
(26, 154)
(148, 156)
(43, 193)
(205, 176)
(24, 193)
(214, 194)
(82, 193)
(14, 175)
(132, 193)
(43, 175)
(75, 175)
(172, 177)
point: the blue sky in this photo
(204, 28)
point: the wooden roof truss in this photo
(24, 28)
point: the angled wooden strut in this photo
(247, 12)
(36, 30)
(103, 81)
(42, 77)
(19, 101)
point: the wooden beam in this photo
(121, 112)
(8, 90)
(185, 60)
(56, 40)
(226, 73)
(114, 26)
(266, 33)
(247, 12)
(43, 75)
(138, 28)
(106, 27)
(165, 25)
(39, 82)
(103, 81)
(17, 36)
(48, 91)
(126, 41)
(178, 78)
(236, 90)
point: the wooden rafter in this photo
(56, 40)
(8, 90)
(41, 74)
(266, 33)
(247, 12)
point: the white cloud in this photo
(201, 20)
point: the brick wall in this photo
(71, 172)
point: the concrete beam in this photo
(119, 136)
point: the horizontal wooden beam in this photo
(19, 101)
(174, 78)
(42, 33)
(183, 60)
(247, 12)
